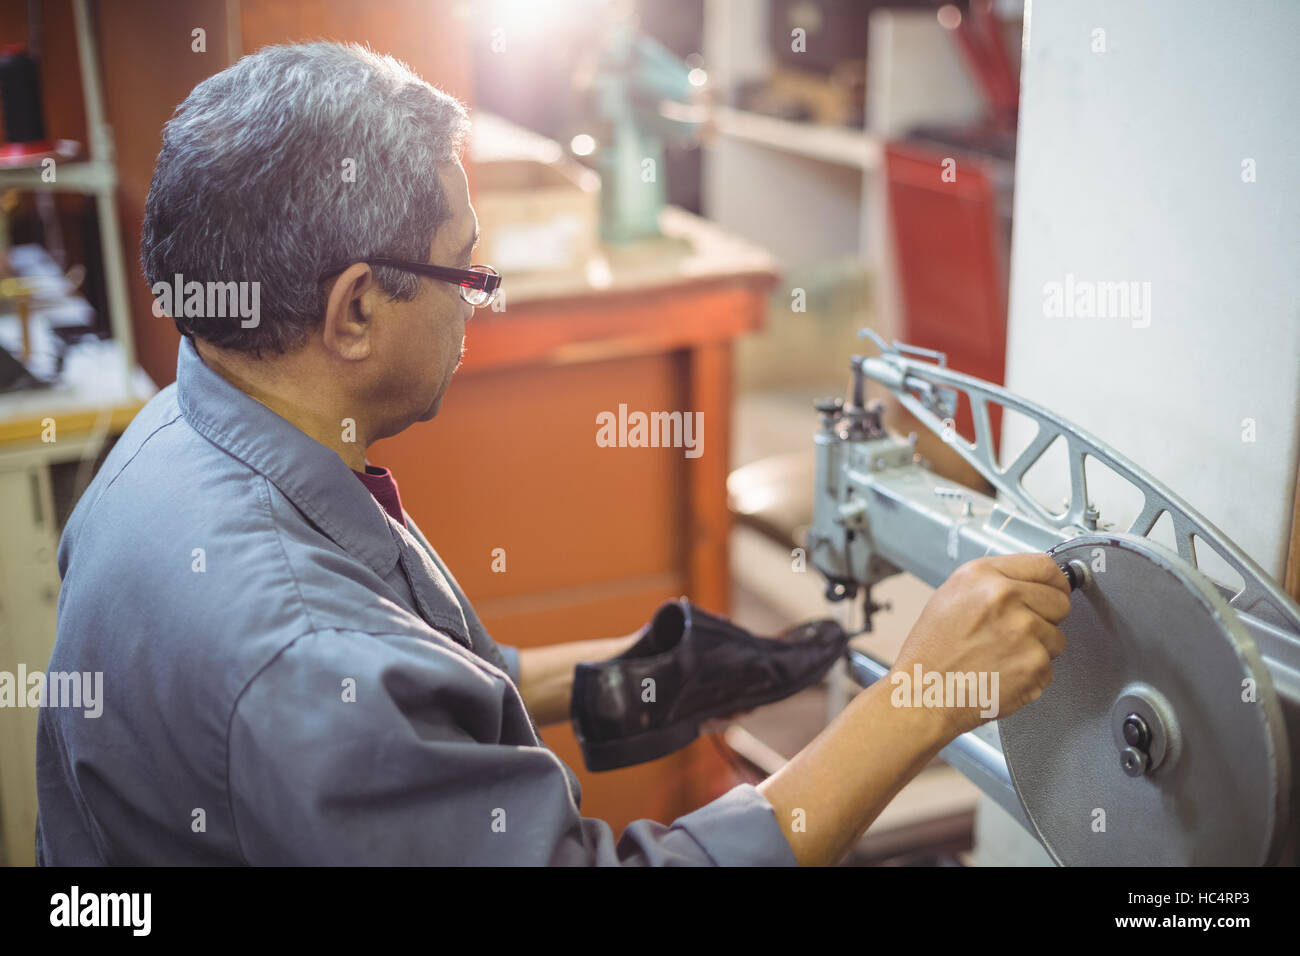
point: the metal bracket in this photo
(929, 389)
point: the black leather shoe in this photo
(686, 667)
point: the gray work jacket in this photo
(289, 676)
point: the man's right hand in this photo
(993, 615)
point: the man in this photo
(291, 674)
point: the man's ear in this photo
(346, 330)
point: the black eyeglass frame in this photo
(468, 279)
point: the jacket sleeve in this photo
(353, 748)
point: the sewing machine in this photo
(1168, 732)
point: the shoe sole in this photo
(600, 755)
(625, 751)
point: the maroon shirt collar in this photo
(383, 486)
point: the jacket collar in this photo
(313, 477)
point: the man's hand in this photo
(993, 615)
(996, 615)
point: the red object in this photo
(15, 155)
(383, 486)
(23, 153)
(981, 42)
(952, 263)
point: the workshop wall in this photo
(1132, 166)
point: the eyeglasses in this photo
(479, 285)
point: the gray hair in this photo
(250, 184)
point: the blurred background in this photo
(695, 204)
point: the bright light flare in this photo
(949, 16)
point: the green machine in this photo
(642, 94)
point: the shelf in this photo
(92, 177)
(829, 144)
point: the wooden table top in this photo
(691, 251)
